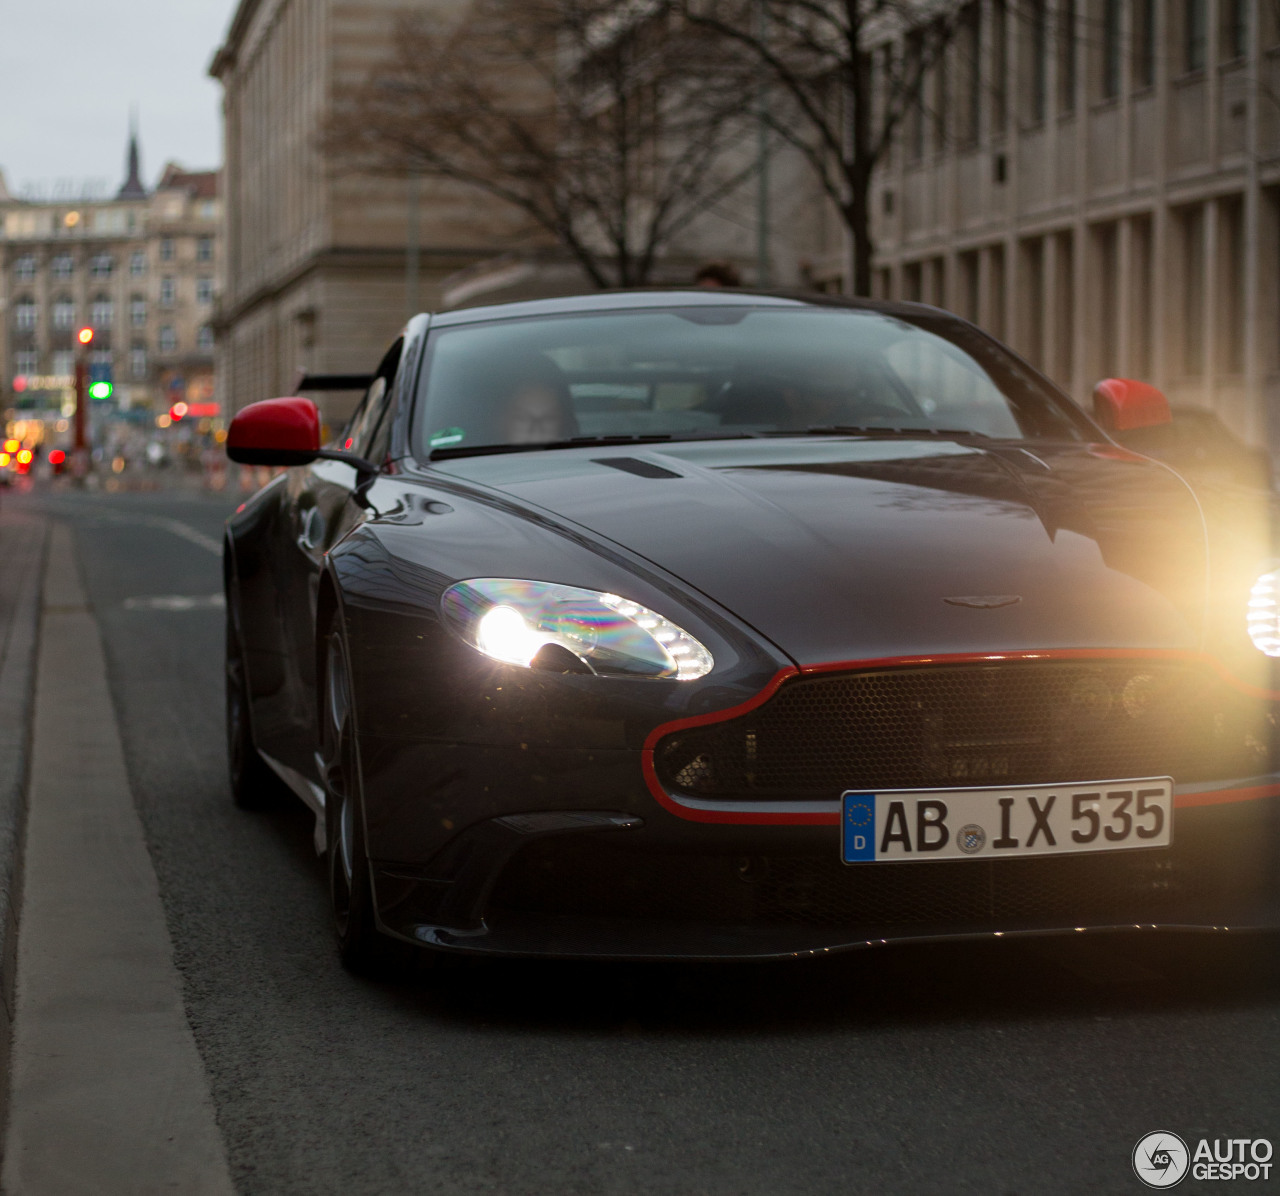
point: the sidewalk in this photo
(23, 543)
(108, 1091)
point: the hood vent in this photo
(642, 469)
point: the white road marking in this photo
(176, 602)
(178, 528)
(109, 1093)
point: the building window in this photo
(999, 65)
(137, 311)
(209, 209)
(63, 267)
(1067, 42)
(168, 291)
(26, 361)
(204, 289)
(24, 269)
(204, 249)
(138, 361)
(971, 73)
(1234, 42)
(168, 339)
(64, 313)
(64, 362)
(204, 339)
(1110, 49)
(914, 116)
(941, 102)
(166, 249)
(1194, 34)
(138, 264)
(1038, 48)
(102, 312)
(102, 265)
(1144, 43)
(25, 314)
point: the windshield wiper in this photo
(487, 450)
(855, 430)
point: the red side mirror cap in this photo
(1123, 404)
(275, 432)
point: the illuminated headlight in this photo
(566, 629)
(1264, 613)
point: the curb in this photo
(24, 561)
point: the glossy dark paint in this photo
(775, 553)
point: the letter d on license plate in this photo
(970, 824)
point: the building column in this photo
(1210, 321)
(1256, 422)
(1050, 319)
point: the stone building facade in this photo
(1098, 182)
(142, 269)
(321, 265)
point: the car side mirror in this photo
(1124, 404)
(275, 432)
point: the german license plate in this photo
(984, 824)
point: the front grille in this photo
(1012, 723)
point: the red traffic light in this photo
(85, 335)
(177, 411)
(57, 457)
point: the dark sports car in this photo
(729, 625)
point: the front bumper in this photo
(609, 887)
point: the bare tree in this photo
(840, 84)
(586, 115)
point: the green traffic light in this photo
(100, 390)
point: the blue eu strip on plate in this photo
(858, 827)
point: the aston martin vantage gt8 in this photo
(698, 624)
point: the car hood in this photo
(844, 549)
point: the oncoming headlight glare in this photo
(514, 621)
(1264, 613)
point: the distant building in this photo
(141, 269)
(318, 263)
(1099, 183)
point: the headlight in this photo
(1264, 613)
(565, 629)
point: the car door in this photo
(320, 506)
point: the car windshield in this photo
(685, 373)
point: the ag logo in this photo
(1161, 1159)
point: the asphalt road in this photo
(1006, 1067)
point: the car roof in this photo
(639, 300)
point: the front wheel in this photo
(362, 947)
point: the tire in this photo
(363, 949)
(253, 785)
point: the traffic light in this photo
(178, 410)
(85, 335)
(100, 380)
